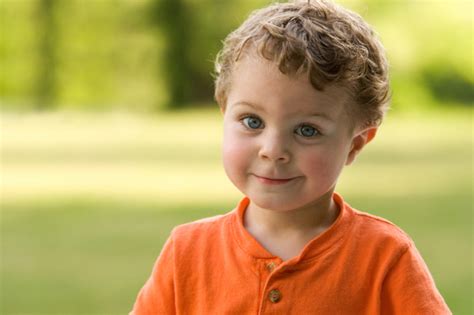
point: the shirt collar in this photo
(322, 242)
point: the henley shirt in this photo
(361, 264)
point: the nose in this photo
(274, 147)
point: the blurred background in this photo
(110, 138)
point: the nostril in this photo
(282, 157)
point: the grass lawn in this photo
(88, 200)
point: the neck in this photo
(311, 218)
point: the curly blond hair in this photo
(328, 42)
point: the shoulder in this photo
(380, 232)
(201, 232)
(407, 286)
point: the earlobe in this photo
(371, 132)
(359, 141)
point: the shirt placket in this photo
(273, 294)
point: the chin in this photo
(274, 203)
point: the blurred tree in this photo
(47, 61)
(448, 85)
(145, 54)
(175, 23)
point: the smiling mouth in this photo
(274, 181)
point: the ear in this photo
(359, 141)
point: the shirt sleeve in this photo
(410, 289)
(157, 295)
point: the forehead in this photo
(257, 80)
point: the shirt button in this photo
(271, 266)
(274, 295)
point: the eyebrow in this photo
(256, 106)
(250, 105)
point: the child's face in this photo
(285, 143)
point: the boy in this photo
(302, 87)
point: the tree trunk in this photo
(47, 61)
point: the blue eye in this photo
(306, 131)
(252, 122)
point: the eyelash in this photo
(243, 117)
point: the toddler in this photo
(303, 87)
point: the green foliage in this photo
(429, 50)
(146, 54)
(105, 56)
(447, 85)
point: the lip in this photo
(273, 181)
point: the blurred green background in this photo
(109, 138)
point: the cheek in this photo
(235, 154)
(326, 164)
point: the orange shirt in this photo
(361, 265)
